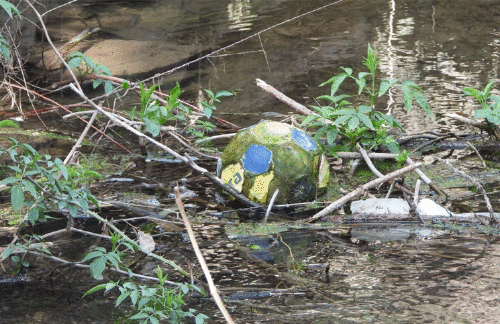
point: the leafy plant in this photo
(100, 256)
(154, 114)
(209, 106)
(35, 179)
(154, 303)
(4, 44)
(362, 124)
(490, 105)
(14, 249)
(85, 66)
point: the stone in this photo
(383, 206)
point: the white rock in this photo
(380, 206)
(428, 207)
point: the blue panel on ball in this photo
(256, 159)
(305, 141)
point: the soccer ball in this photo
(272, 155)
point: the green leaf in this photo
(94, 289)
(146, 95)
(139, 316)
(487, 89)
(346, 70)
(361, 85)
(353, 123)
(9, 8)
(223, 93)
(336, 81)
(17, 197)
(92, 255)
(422, 102)
(33, 215)
(371, 61)
(62, 168)
(208, 111)
(7, 252)
(9, 180)
(365, 120)
(108, 87)
(331, 135)
(473, 93)
(97, 268)
(407, 87)
(122, 297)
(153, 126)
(210, 93)
(345, 111)
(385, 85)
(30, 187)
(8, 123)
(482, 113)
(75, 62)
(96, 83)
(200, 318)
(342, 119)
(309, 119)
(364, 109)
(334, 99)
(125, 85)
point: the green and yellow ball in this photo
(272, 155)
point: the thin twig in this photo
(80, 140)
(477, 153)
(84, 266)
(271, 202)
(199, 255)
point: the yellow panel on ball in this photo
(233, 175)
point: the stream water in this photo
(420, 275)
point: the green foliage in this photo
(8, 123)
(85, 65)
(101, 257)
(362, 124)
(4, 48)
(17, 253)
(209, 106)
(9, 8)
(490, 105)
(34, 183)
(4, 44)
(154, 114)
(154, 303)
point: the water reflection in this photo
(240, 15)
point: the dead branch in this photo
(199, 255)
(361, 191)
(478, 185)
(465, 120)
(289, 101)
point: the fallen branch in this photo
(361, 191)
(478, 185)
(199, 255)
(289, 101)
